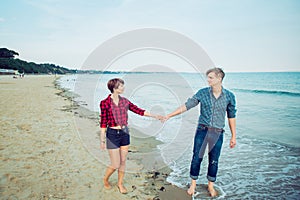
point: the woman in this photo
(113, 123)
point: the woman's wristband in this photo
(103, 140)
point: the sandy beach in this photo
(49, 149)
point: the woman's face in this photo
(120, 88)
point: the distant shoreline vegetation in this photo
(9, 62)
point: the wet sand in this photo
(49, 149)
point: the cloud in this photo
(2, 19)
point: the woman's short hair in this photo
(114, 84)
(218, 71)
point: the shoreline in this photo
(49, 149)
(155, 180)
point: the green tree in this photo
(6, 53)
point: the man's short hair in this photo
(114, 84)
(218, 71)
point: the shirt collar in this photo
(222, 92)
(109, 98)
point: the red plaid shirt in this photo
(113, 115)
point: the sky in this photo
(238, 35)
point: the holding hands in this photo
(161, 118)
(158, 117)
(178, 111)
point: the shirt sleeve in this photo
(103, 115)
(136, 109)
(191, 102)
(231, 107)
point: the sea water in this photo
(265, 162)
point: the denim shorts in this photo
(117, 137)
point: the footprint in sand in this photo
(24, 127)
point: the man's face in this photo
(213, 79)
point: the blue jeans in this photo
(214, 139)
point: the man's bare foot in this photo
(212, 192)
(106, 184)
(122, 189)
(191, 190)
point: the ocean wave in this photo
(277, 92)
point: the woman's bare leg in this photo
(108, 173)
(114, 155)
(121, 171)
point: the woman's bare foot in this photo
(191, 190)
(212, 192)
(122, 189)
(106, 184)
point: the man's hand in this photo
(232, 142)
(232, 126)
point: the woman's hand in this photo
(102, 145)
(102, 139)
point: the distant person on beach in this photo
(114, 131)
(215, 101)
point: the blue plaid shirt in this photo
(212, 110)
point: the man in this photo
(215, 101)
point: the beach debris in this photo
(162, 189)
(46, 151)
(44, 172)
(137, 175)
(132, 151)
(24, 127)
(133, 187)
(152, 174)
(156, 174)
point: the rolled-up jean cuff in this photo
(211, 179)
(194, 177)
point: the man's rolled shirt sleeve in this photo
(231, 107)
(191, 102)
